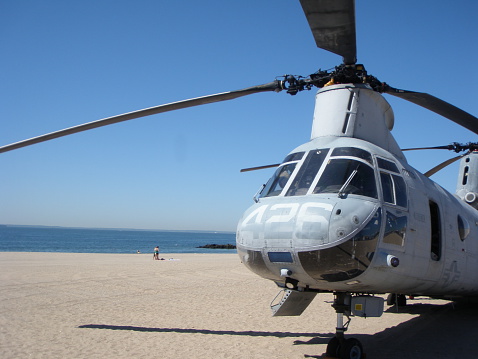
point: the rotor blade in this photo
(427, 148)
(455, 146)
(438, 106)
(444, 164)
(333, 26)
(272, 86)
(259, 168)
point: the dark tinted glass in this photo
(353, 152)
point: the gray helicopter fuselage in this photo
(345, 212)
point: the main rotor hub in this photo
(342, 74)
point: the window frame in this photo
(392, 174)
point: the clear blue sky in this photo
(68, 62)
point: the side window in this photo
(387, 187)
(395, 229)
(281, 176)
(394, 189)
(279, 180)
(387, 165)
(400, 191)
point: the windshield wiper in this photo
(342, 189)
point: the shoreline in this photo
(212, 251)
(95, 305)
(79, 240)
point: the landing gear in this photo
(333, 348)
(338, 346)
(351, 349)
(399, 299)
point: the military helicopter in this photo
(345, 213)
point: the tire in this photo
(391, 299)
(352, 349)
(402, 300)
(333, 348)
(399, 299)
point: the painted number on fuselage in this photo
(305, 210)
(283, 216)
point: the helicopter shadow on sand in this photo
(441, 331)
(251, 333)
(446, 331)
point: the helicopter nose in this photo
(302, 225)
(348, 217)
(289, 235)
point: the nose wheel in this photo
(339, 347)
(350, 348)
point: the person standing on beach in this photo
(156, 253)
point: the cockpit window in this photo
(387, 165)
(400, 191)
(279, 180)
(281, 176)
(347, 176)
(353, 152)
(387, 187)
(348, 171)
(307, 173)
(294, 157)
(394, 189)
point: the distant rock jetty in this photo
(218, 246)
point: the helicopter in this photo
(345, 213)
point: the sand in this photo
(62, 305)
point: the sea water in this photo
(84, 240)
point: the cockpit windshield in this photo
(347, 176)
(281, 176)
(307, 172)
(277, 183)
(344, 170)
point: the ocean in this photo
(84, 240)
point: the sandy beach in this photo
(66, 305)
